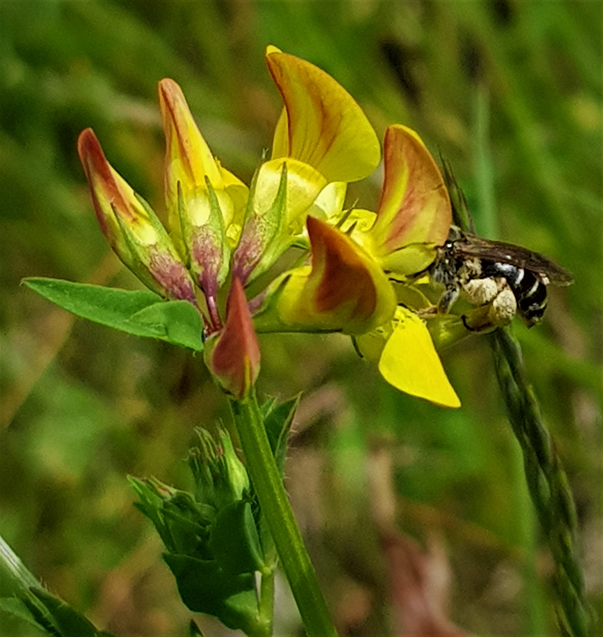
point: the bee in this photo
(507, 278)
(511, 279)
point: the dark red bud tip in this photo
(103, 188)
(235, 360)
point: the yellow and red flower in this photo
(222, 231)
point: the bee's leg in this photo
(448, 298)
(499, 312)
(482, 291)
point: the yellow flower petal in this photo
(322, 125)
(410, 259)
(410, 363)
(329, 202)
(414, 204)
(188, 157)
(304, 183)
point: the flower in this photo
(205, 202)
(224, 234)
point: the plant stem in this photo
(275, 505)
(266, 606)
(546, 480)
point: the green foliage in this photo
(34, 605)
(216, 538)
(141, 313)
(82, 405)
(212, 545)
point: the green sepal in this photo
(234, 540)
(142, 253)
(214, 229)
(138, 312)
(182, 523)
(220, 477)
(264, 237)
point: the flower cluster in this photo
(224, 235)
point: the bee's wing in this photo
(499, 251)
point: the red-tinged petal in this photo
(323, 126)
(343, 290)
(188, 157)
(134, 232)
(234, 357)
(189, 163)
(340, 272)
(414, 204)
(109, 192)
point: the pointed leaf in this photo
(29, 614)
(278, 423)
(69, 621)
(194, 630)
(179, 320)
(120, 309)
(204, 587)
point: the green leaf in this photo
(234, 539)
(180, 322)
(49, 614)
(278, 422)
(204, 587)
(194, 630)
(19, 609)
(138, 312)
(68, 620)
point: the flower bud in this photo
(204, 200)
(220, 477)
(233, 353)
(133, 230)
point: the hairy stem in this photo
(269, 488)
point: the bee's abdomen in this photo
(529, 288)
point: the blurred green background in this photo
(510, 91)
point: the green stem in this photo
(546, 480)
(266, 607)
(280, 518)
